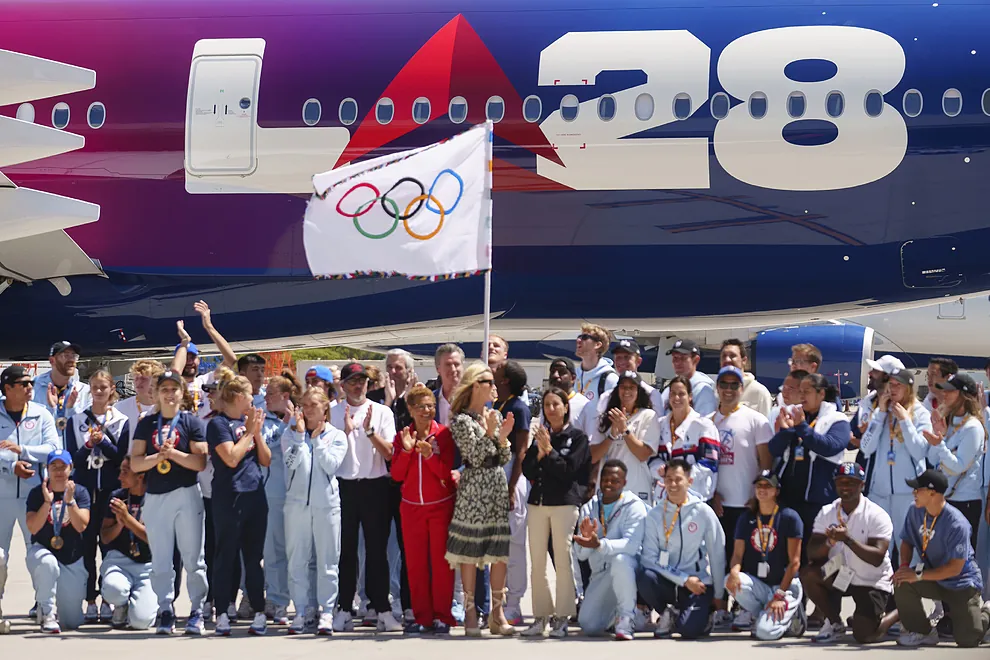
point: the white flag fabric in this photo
(423, 213)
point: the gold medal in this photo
(61, 423)
(164, 467)
(135, 550)
(57, 543)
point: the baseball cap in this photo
(320, 371)
(685, 347)
(12, 374)
(768, 476)
(853, 470)
(629, 375)
(959, 383)
(351, 370)
(173, 376)
(933, 479)
(60, 346)
(627, 345)
(902, 376)
(886, 364)
(191, 348)
(729, 370)
(567, 363)
(59, 455)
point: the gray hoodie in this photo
(696, 545)
(623, 534)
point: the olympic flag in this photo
(423, 213)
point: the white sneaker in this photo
(326, 625)
(244, 609)
(913, 639)
(558, 627)
(665, 626)
(298, 626)
(641, 620)
(829, 633)
(742, 622)
(936, 614)
(721, 619)
(92, 614)
(624, 629)
(387, 623)
(49, 624)
(343, 622)
(119, 617)
(537, 629)
(223, 625)
(260, 624)
(280, 616)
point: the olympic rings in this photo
(460, 192)
(360, 212)
(387, 232)
(421, 199)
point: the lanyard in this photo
(725, 417)
(601, 513)
(667, 531)
(63, 397)
(158, 436)
(58, 522)
(927, 533)
(838, 515)
(765, 539)
(505, 403)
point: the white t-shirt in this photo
(443, 410)
(200, 397)
(868, 521)
(363, 460)
(134, 411)
(645, 426)
(738, 462)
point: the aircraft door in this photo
(221, 115)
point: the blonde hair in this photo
(321, 396)
(152, 368)
(287, 382)
(231, 387)
(374, 376)
(809, 351)
(104, 374)
(462, 393)
(187, 403)
(600, 334)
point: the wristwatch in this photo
(627, 432)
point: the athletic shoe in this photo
(244, 610)
(370, 618)
(325, 627)
(742, 622)
(119, 618)
(231, 613)
(281, 615)
(343, 621)
(829, 633)
(34, 614)
(387, 623)
(362, 611)
(298, 625)
(513, 616)
(269, 608)
(92, 614)
(641, 620)
(913, 639)
(311, 616)
(722, 619)
(624, 629)
(260, 624)
(414, 628)
(223, 626)
(166, 623)
(195, 624)
(49, 624)
(457, 611)
(537, 629)
(4, 624)
(799, 624)
(106, 612)
(441, 628)
(665, 626)
(558, 627)
(408, 616)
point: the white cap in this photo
(886, 364)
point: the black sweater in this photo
(561, 477)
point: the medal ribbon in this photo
(168, 428)
(667, 531)
(601, 513)
(765, 540)
(927, 533)
(58, 522)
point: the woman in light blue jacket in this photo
(896, 436)
(313, 451)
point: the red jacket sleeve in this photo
(442, 463)
(401, 458)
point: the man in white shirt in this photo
(685, 356)
(449, 361)
(847, 556)
(755, 395)
(364, 497)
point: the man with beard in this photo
(60, 389)
(186, 360)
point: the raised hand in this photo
(349, 424)
(589, 527)
(204, 311)
(900, 412)
(118, 509)
(70, 402)
(933, 439)
(389, 390)
(52, 395)
(424, 448)
(180, 327)
(407, 440)
(255, 418)
(507, 424)
(939, 425)
(297, 420)
(491, 422)
(797, 416)
(47, 492)
(70, 492)
(618, 419)
(367, 422)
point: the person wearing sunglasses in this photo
(422, 460)
(28, 429)
(595, 374)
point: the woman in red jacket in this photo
(422, 460)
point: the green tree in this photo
(335, 353)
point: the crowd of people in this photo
(360, 499)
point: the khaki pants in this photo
(969, 623)
(560, 521)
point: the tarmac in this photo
(99, 641)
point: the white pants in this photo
(176, 518)
(754, 595)
(276, 561)
(611, 593)
(12, 512)
(127, 582)
(518, 575)
(58, 585)
(306, 528)
(897, 506)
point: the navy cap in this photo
(59, 455)
(170, 375)
(12, 374)
(769, 477)
(627, 345)
(959, 383)
(629, 375)
(191, 348)
(352, 370)
(933, 479)
(567, 363)
(852, 470)
(729, 370)
(685, 347)
(320, 371)
(60, 346)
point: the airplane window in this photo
(720, 105)
(96, 115)
(986, 102)
(348, 112)
(384, 110)
(682, 106)
(912, 103)
(457, 110)
(421, 110)
(758, 105)
(606, 108)
(495, 109)
(644, 107)
(952, 102)
(796, 104)
(25, 112)
(873, 103)
(312, 111)
(569, 106)
(835, 103)
(532, 109)
(60, 115)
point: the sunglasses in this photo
(734, 385)
(25, 383)
(586, 337)
(487, 381)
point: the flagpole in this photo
(488, 314)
